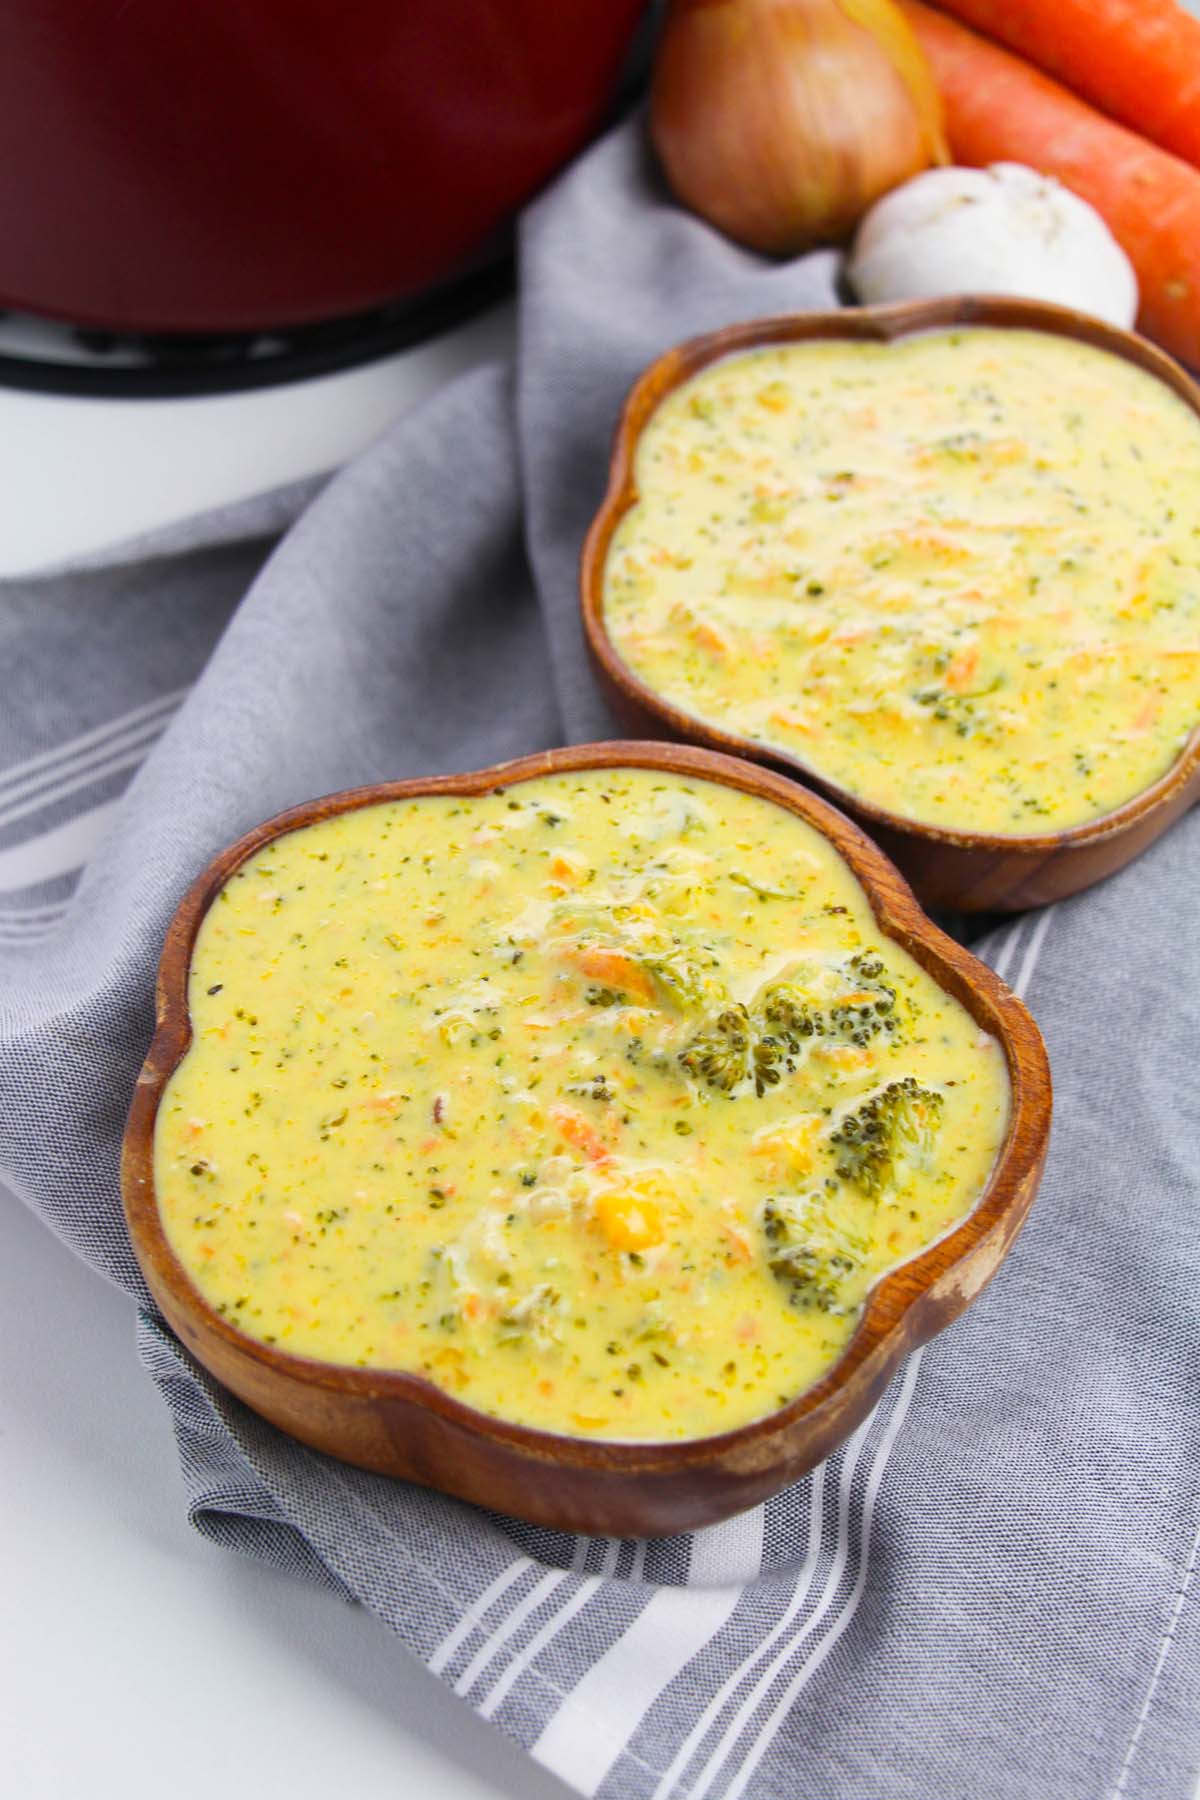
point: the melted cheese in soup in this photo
(600, 1101)
(957, 576)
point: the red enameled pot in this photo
(205, 165)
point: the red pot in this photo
(225, 165)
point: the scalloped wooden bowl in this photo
(401, 1425)
(968, 871)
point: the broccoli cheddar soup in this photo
(958, 576)
(599, 1101)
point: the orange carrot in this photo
(1138, 60)
(963, 667)
(998, 109)
(615, 969)
(580, 1133)
(739, 1244)
(707, 637)
(1147, 714)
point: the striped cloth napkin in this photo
(989, 1592)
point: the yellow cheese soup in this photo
(958, 576)
(599, 1101)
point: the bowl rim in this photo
(864, 324)
(880, 1337)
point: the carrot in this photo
(1147, 714)
(844, 1056)
(580, 1133)
(998, 109)
(963, 667)
(707, 637)
(739, 1244)
(792, 721)
(1137, 60)
(615, 969)
(387, 1104)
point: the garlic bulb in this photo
(1001, 230)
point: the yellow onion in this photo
(782, 121)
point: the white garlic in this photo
(1001, 230)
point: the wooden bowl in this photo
(966, 871)
(401, 1425)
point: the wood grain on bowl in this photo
(965, 870)
(402, 1425)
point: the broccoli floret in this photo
(859, 1020)
(767, 1054)
(808, 1253)
(790, 1014)
(682, 983)
(793, 1015)
(757, 1042)
(890, 1130)
(721, 1053)
(730, 1051)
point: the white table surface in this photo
(137, 1659)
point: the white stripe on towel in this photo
(24, 940)
(732, 1551)
(661, 1639)
(1036, 940)
(542, 1590)
(801, 1589)
(1004, 956)
(65, 757)
(802, 1676)
(60, 851)
(840, 1562)
(85, 778)
(38, 792)
(18, 925)
(475, 1612)
(1164, 1651)
(601, 1713)
(22, 916)
(537, 1643)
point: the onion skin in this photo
(782, 121)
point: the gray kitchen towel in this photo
(989, 1593)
